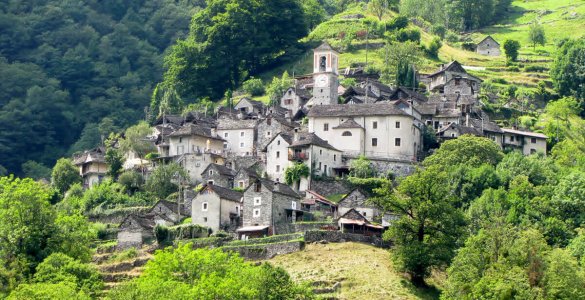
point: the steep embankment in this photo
(362, 271)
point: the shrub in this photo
(513, 69)
(124, 255)
(433, 48)
(161, 233)
(404, 35)
(439, 30)
(511, 48)
(452, 37)
(253, 86)
(468, 46)
(397, 23)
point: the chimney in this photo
(296, 134)
(213, 131)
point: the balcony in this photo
(298, 156)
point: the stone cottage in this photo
(217, 207)
(244, 177)
(318, 204)
(525, 141)
(488, 46)
(269, 208)
(239, 135)
(357, 200)
(170, 210)
(354, 222)
(92, 166)
(135, 230)
(249, 107)
(218, 175)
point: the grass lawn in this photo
(365, 272)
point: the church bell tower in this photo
(325, 73)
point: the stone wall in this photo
(116, 216)
(340, 237)
(397, 168)
(267, 251)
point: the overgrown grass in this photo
(267, 240)
(124, 255)
(336, 197)
(365, 272)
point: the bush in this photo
(535, 69)
(433, 48)
(124, 255)
(511, 48)
(404, 35)
(397, 23)
(513, 69)
(101, 230)
(468, 46)
(254, 86)
(161, 233)
(452, 37)
(439, 30)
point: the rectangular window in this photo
(256, 212)
(257, 187)
(533, 140)
(326, 127)
(511, 138)
(241, 133)
(319, 165)
(374, 142)
(277, 154)
(277, 168)
(397, 142)
(210, 172)
(241, 145)
(204, 206)
(205, 219)
(375, 125)
(257, 201)
(397, 124)
(268, 133)
(334, 157)
(225, 134)
(241, 184)
(320, 151)
(293, 205)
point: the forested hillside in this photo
(77, 70)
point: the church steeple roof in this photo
(324, 47)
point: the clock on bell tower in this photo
(325, 72)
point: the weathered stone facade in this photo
(357, 200)
(267, 251)
(134, 231)
(488, 46)
(217, 208)
(218, 175)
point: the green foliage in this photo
(379, 8)
(429, 228)
(163, 180)
(278, 86)
(399, 57)
(361, 167)
(135, 140)
(161, 233)
(64, 175)
(467, 149)
(124, 255)
(131, 180)
(60, 268)
(253, 86)
(408, 34)
(34, 170)
(567, 78)
(511, 48)
(399, 22)
(368, 184)
(433, 48)
(165, 101)
(439, 30)
(114, 157)
(536, 34)
(66, 68)
(314, 13)
(224, 38)
(295, 172)
(107, 194)
(218, 275)
(49, 291)
(73, 234)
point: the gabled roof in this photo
(353, 90)
(231, 124)
(461, 129)
(172, 206)
(489, 37)
(346, 198)
(254, 103)
(172, 119)
(320, 198)
(95, 155)
(353, 214)
(288, 138)
(382, 87)
(453, 66)
(223, 193)
(248, 171)
(307, 139)
(349, 123)
(486, 125)
(427, 108)
(410, 93)
(222, 170)
(324, 47)
(144, 221)
(525, 133)
(346, 110)
(276, 187)
(193, 129)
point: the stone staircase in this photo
(117, 272)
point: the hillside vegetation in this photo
(364, 271)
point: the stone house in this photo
(218, 175)
(170, 210)
(316, 203)
(195, 163)
(217, 208)
(244, 177)
(354, 222)
(294, 99)
(239, 135)
(277, 155)
(249, 107)
(269, 127)
(268, 207)
(357, 200)
(194, 139)
(377, 130)
(92, 166)
(525, 141)
(489, 129)
(134, 231)
(321, 158)
(454, 130)
(488, 46)
(406, 94)
(452, 77)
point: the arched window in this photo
(322, 63)
(346, 133)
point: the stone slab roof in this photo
(349, 123)
(307, 139)
(193, 129)
(346, 110)
(230, 124)
(525, 133)
(223, 170)
(224, 193)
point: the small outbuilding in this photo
(488, 46)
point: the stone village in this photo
(238, 157)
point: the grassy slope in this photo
(365, 272)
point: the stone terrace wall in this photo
(267, 251)
(287, 228)
(340, 237)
